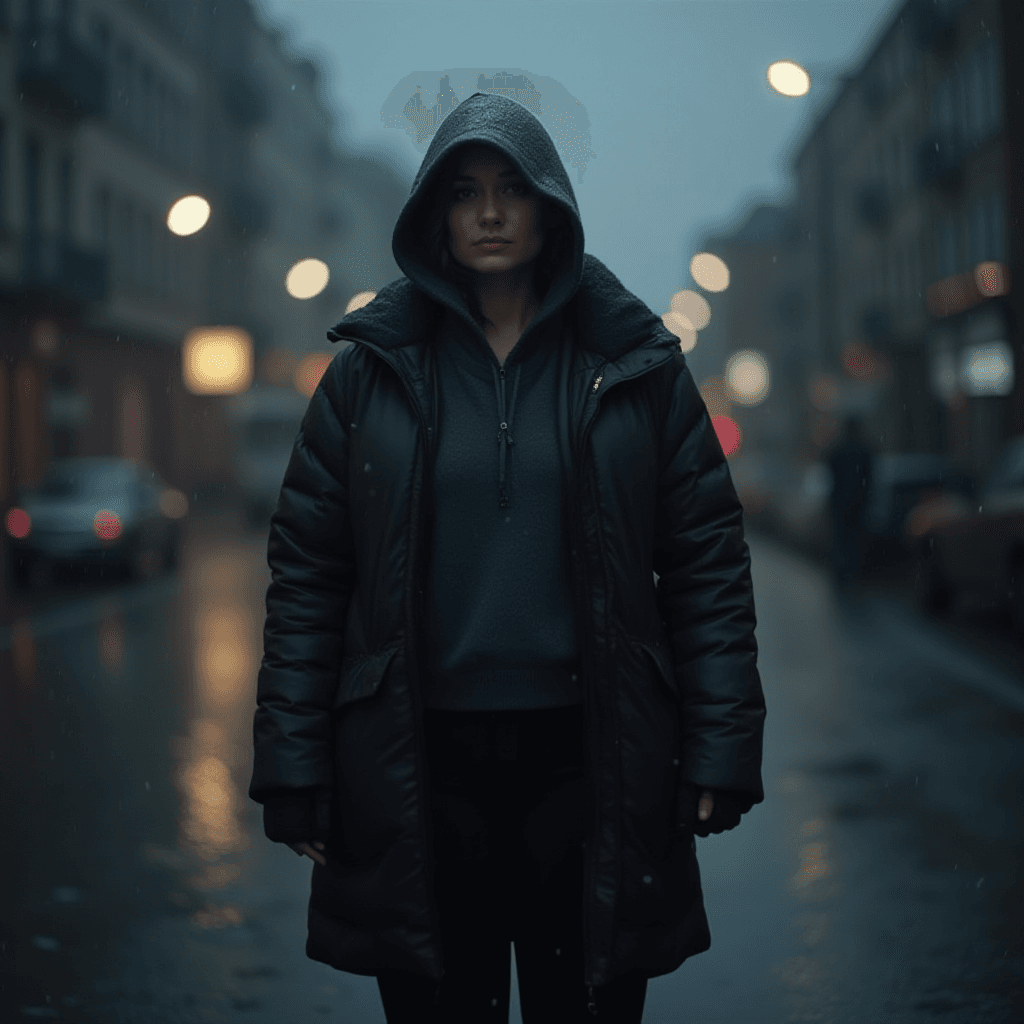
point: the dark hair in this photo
(559, 241)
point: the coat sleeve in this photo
(310, 555)
(705, 596)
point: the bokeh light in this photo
(277, 366)
(188, 215)
(217, 360)
(173, 503)
(309, 371)
(823, 391)
(694, 307)
(858, 360)
(19, 523)
(710, 272)
(789, 78)
(715, 396)
(359, 300)
(307, 278)
(682, 329)
(747, 377)
(729, 434)
(992, 278)
(106, 524)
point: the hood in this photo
(609, 320)
(509, 127)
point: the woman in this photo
(477, 710)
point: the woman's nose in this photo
(490, 209)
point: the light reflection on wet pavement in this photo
(878, 881)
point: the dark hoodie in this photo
(500, 630)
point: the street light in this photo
(188, 215)
(788, 78)
(307, 278)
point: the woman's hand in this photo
(706, 805)
(310, 850)
(718, 813)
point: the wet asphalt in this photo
(879, 881)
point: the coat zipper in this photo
(591, 852)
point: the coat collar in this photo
(611, 325)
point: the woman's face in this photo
(492, 200)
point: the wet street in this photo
(879, 881)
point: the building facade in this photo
(110, 111)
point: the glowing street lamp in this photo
(188, 215)
(307, 278)
(788, 78)
(710, 272)
(217, 360)
(747, 377)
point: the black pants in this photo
(508, 806)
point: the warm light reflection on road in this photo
(225, 630)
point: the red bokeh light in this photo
(858, 360)
(728, 432)
(18, 523)
(106, 524)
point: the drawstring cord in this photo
(504, 428)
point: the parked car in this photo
(976, 546)
(87, 512)
(266, 422)
(900, 480)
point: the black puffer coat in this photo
(671, 688)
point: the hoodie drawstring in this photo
(504, 427)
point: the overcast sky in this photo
(685, 132)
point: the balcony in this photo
(57, 270)
(59, 74)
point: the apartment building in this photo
(111, 110)
(903, 209)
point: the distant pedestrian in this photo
(851, 460)
(476, 711)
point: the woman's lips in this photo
(491, 245)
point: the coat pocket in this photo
(661, 657)
(361, 676)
